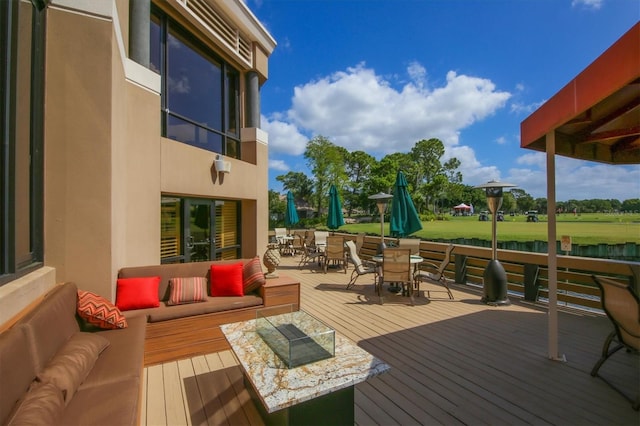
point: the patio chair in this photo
(622, 306)
(396, 268)
(298, 243)
(320, 239)
(310, 253)
(360, 267)
(334, 253)
(431, 273)
(284, 241)
(411, 243)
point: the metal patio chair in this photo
(334, 253)
(432, 273)
(396, 269)
(360, 267)
(622, 306)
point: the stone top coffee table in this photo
(326, 385)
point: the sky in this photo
(380, 75)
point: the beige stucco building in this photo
(117, 112)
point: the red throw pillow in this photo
(137, 293)
(98, 311)
(226, 279)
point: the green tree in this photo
(326, 162)
(298, 183)
(358, 167)
(277, 208)
(524, 201)
(631, 205)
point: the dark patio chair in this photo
(622, 307)
(431, 273)
(360, 267)
(310, 252)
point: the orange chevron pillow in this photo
(98, 311)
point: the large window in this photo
(21, 151)
(199, 229)
(199, 90)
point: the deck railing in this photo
(527, 272)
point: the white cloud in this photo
(278, 165)
(501, 140)
(360, 110)
(587, 4)
(284, 138)
(576, 179)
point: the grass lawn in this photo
(584, 229)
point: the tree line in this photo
(435, 186)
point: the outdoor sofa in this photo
(56, 367)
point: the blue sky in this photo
(380, 75)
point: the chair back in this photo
(353, 255)
(622, 306)
(280, 233)
(396, 265)
(320, 237)
(359, 241)
(412, 244)
(335, 248)
(446, 260)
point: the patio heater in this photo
(381, 199)
(495, 277)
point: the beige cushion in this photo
(73, 362)
(42, 405)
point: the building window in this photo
(21, 152)
(199, 90)
(199, 229)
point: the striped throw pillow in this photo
(252, 275)
(187, 290)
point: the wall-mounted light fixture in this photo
(221, 165)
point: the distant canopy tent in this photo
(462, 207)
(291, 214)
(334, 218)
(404, 217)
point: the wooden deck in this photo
(452, 362)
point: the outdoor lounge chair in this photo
(432, 273)
(622, 306)
(334, 253)
(360, 268)
(396, 269)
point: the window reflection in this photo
(200, 95)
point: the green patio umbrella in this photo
(291, 214)
(404, 217)
(334, 218)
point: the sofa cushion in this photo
(187, 290)
(212, 304)
(72, 362)
(226, 279)
(137, 293)
(252, 275)
(98, 311)
(51, 324)
(113, 403)
(124, 356)
(17, 368)
(43, 404)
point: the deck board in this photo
(452, 362)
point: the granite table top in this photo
(280, 387)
